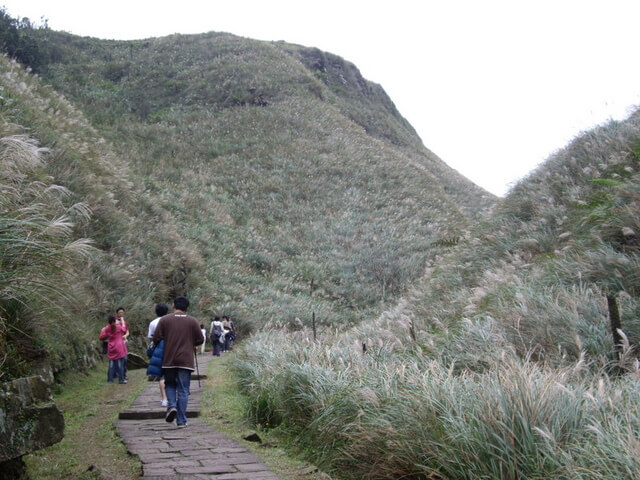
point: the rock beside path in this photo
(29, 421)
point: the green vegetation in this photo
(457, 336)
(16, 39)
(391, 414)
(224, 407)
(70, 253)
(500, 362)
(221, 167)
(39, 255)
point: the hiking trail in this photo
(197, 451)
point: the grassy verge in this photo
(224, 407)
(91, 448)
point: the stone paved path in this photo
(194, 452)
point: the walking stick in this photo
(195, 354)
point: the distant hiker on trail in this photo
(216, 334)
(155, 363)
(121, 321)
(204, 334)
(232, 333)
(226, 327)
(181, 334)
(114, 333)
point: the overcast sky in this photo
(492, 87)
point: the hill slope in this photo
(515, 356)
(237, 172)
(280, 175)
(271, 181)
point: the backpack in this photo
(155, 362)
(216, 330)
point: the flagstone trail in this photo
(195, 452)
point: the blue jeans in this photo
(116, 369)
(176, 383)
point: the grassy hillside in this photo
(501, 361)
(275, 174)
(70, 252)
(271, 181)
(267, 181)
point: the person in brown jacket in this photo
(181, 334)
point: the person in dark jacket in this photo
(181, 334)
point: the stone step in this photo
(130, 414)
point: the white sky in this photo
(492, 87)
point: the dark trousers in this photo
(216, 346)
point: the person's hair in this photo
(201, 325)
(226, 317)
(119, 308)
(181, 303)
(216, 318)
(162, 309)
(112, 322)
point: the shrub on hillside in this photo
(39, 257)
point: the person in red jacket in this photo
(114, 334)
(181, 334)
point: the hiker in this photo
(181, 334)
(121, 321)
(116, 349)
(155, 363)
(226, 326)
(204, 335)
(216, 333)
(232, 333)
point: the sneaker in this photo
(171, 415)
(164, 403)
(124, 381)
(182, 425)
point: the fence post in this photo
(313, 313)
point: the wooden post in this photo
(313, 313)
(614, 320)
(313, 324)
(412, 330)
